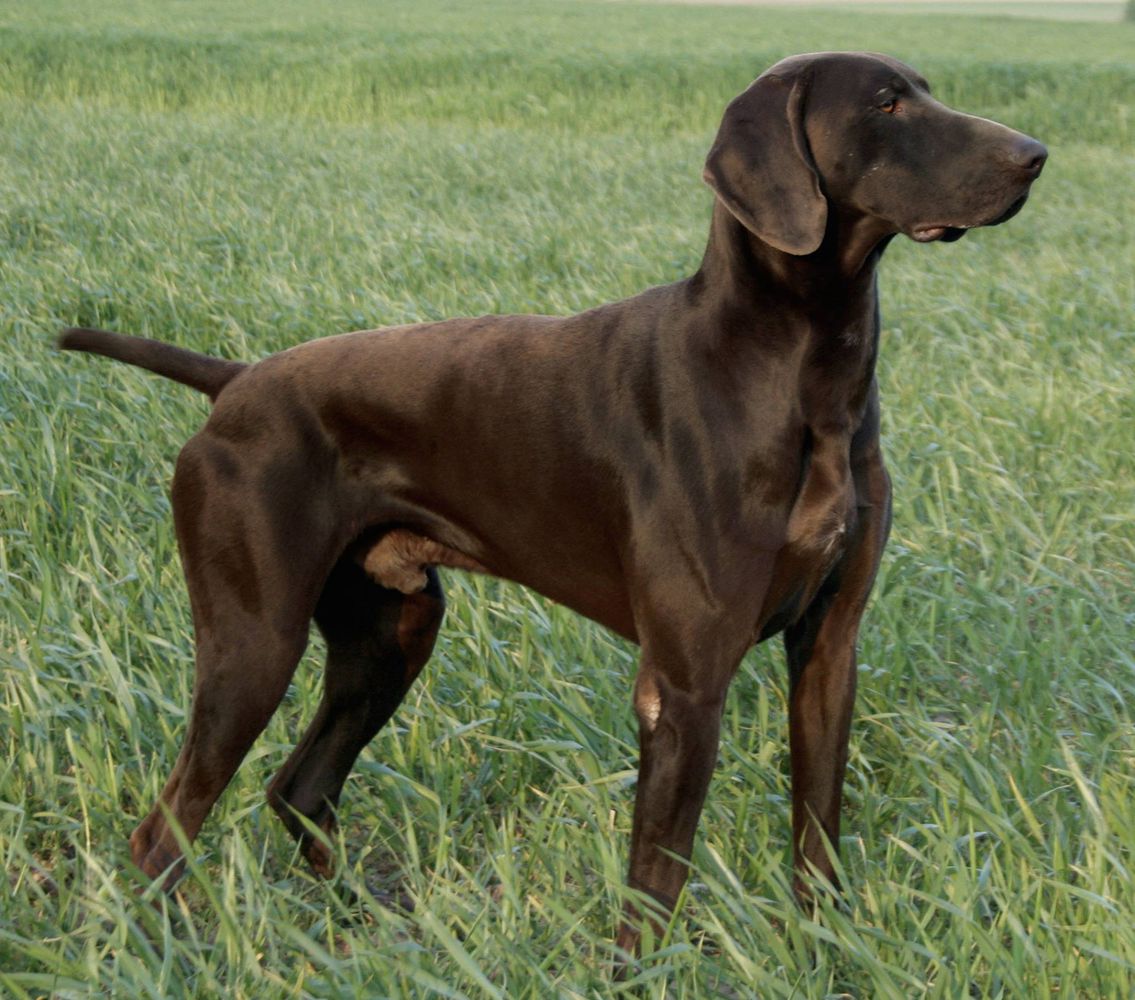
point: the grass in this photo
(242, 178)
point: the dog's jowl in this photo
(696, 467)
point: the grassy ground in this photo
(239, 178)
(1074, 10)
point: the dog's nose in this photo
(1029, 155)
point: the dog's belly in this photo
(399, 560)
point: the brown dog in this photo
(696, 467)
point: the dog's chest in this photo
(820, 522)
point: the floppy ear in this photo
(760, 167)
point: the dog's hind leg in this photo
(252, 599)
(378, 640)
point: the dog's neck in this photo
(739, 266)
(835, 330)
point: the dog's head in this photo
(861, 132)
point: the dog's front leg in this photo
(822, 680)
(678, 703)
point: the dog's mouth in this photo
(1010, 211)
(951, 234)
(938, 234)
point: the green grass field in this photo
(238, 178)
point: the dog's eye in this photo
(889, 106)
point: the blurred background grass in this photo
(237, 179)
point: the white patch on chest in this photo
(820, 530)
(835, 538)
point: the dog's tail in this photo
(199, 371)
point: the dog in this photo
(697, 468)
